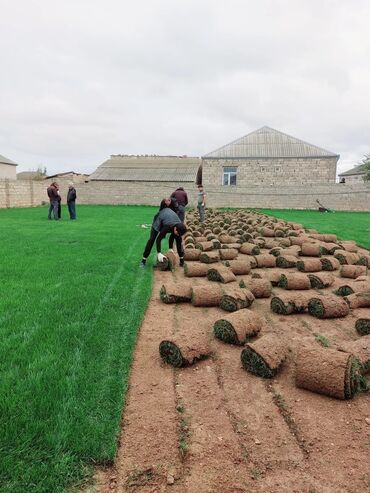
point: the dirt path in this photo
(213, 427)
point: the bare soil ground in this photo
(213, 427)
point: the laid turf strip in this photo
(328, 371)
(72, 297)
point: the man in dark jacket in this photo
(54, 197)
(181, 197)
(166, 221)
(71, 201)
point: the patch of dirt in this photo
(213, 427)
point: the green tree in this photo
(366, 166)
(41, 173)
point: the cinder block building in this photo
(354, 175)
(8, 169)
(268, 157)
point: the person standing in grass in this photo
(202, 199)
(53, 194)
(71, 201)
(181, 198)
(164, 222)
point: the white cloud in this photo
(86, 79)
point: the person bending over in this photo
(164, 222)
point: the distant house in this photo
(354, 175)
(268, 157)
(8, 169)
(158, 169)
(69, 175)
(30, 175)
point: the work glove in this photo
(171, 250)
(160, 257)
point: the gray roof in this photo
(357, 170)
(27, 175)
(268, 143)
(4, 160)
(148, 168)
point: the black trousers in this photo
(150, 243)
(178, 240)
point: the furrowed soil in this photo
(213, 427)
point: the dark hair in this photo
(181, 228)
(163, 204)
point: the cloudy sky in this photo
(83, 79)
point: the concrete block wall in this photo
(348, 197)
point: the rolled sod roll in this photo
(330, 264)
(261, 288)
(205, 246)
(349, 246)
(235, 246)
(345, 257)
(170, 262)
(228, 253)
(206, 295)
(358, 300)
(195, 269)
(209, 257)
(223, 238)
(328, 238)
(320, 280)
(353, 271)
(364, 260)
(309, 265)
(220, 274)
(184, 351)
(276, 251)
(239, 267)
(235, 298)
(327, 371)
(175, 293)
(265, 260)
(286, 261)
(329, 306)
(249, 249)
(288, 303)
(360, 349)
(310, 250)
(192, 254)
(238, 327)
(293, 250)
(329, 248)
(268, 232)
(353, 287)
(294, 280)
(273, 277)
(362, 326)
(264, 356)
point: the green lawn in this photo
(71, 300)
(346, 225)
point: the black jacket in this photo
(71, 196)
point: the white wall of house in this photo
(8, 171)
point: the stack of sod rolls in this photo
(345, 257)
(238, 327)
(264, 356)
(290, 303)
(234, 298)
(328, 371)
(175, 293)
(362, 326)
(329, 306)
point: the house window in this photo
(230, 176)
